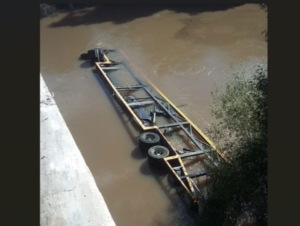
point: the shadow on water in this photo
(123, 13)
(138, 154)
(86, 64)
(161, 177)
(179, 211)
(146, 169)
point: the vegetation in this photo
(238, 194)
(46, 9)
(264, 7)
(50, 9)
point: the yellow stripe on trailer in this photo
(144, 128)
(185, 117)
(116, 92)
(175, 174)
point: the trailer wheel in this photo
(156, 154)
(147, 140)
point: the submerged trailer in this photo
(157, 118)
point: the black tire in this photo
(91, 54)
(84, 56)
(147, 140)
(156, 154)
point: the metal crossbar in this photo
(199, 174)
(182, 127)
(172, 124)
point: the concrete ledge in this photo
(68, 192)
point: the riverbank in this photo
(68, 192)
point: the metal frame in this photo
(184, 122)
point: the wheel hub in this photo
(150, 137)
(158, 152)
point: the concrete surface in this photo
(68, 192)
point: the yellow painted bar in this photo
(175, 174)
(185, 117)
(119, 96)
(188, 179)
(116, 92)
(107, 60)
(124, 102)
(171, 157)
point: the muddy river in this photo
(184, 51)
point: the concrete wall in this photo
(68, 192)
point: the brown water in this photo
(183, 51)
